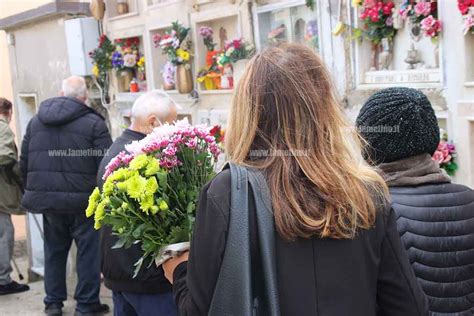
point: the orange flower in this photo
(210, 60)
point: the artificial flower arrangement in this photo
(126, 54)
(377, 20)
(177, 46)
(424, 13)
(210, 75)
(234, 51)
(445, 155)
(311, 36)
(218, 73)
(102, 61)
(277, 34)
(150, 192)
(466, 7)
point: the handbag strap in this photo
(233, 293)
(266, 238)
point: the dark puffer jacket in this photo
(60, 155)
(436, 225)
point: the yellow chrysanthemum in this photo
(147, 203)
(122, 186)
(153, 167)
(151, 186)
(121, 174)
(93, 201)
(139, 162)
(183, 54)
(154, 209)
(95, 70)
(136, 186)
(100, 212)
(108, 188)
(163, 205)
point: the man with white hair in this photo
(149, 293)
(60, 155)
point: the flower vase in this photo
(124, 78)
(122, 7)
(385, 56)
(168, 86)
(436, 55)
(375, 56)
(239, 67)
(184, 78)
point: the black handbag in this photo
(233, 294)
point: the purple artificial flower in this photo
(117, 60)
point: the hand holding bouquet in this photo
(150, 194)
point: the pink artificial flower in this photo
(442, 145)
(423, 8)
(370, 3)
(427, 22)
(451, 148)
(430, 26)
(438, 157)
(468, 24)
(447, 159)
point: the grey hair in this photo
(155, 102)
(74, 87)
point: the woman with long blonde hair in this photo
(336, 249)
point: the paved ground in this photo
(31, 303)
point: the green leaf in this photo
(120, 243)
(137, 232)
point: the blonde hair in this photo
(286, 120)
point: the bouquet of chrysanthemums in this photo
(150, 192)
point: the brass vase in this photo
(184, 79)
(122, 7)
(124, 78)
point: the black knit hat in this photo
(398, 123)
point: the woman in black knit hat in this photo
(435, 217)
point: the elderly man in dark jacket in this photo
(435, 217)
(149, 293)
(60, 156)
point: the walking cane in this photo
(20, 276)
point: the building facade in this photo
(443, 70)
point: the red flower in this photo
(464, 5)
(214, 130)
(236, 44)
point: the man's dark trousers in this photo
(59, 232)
(133, 304)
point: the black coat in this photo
(436, 225)
(361, 277)
(60, 154)
(118, 264)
